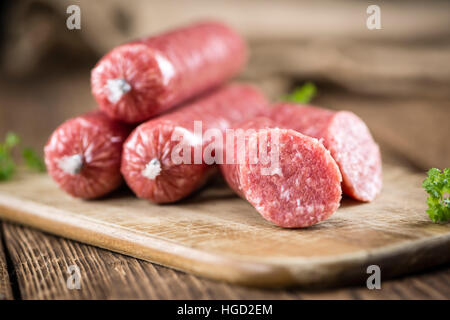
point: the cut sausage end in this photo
(348, 139)
(358, 156)
(71, 164)
(117, 88)
(303, 189)
(152, 169)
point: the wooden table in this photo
(33, 265)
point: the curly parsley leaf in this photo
(11, 140)
(303, 94)
(437, 185)
(33, 160)
(7, 165)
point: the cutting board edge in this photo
(313, 272)
(157, 251)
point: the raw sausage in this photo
(348, 139)
(141, 79)
(298, 187)
(83, 155)
(151, 162)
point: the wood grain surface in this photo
(40, 262)
(5, 285)
(217, 235)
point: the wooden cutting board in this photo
(217, 235)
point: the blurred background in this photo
(396, 78)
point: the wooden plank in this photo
(41, 261)
(5, 284)
(220, 236)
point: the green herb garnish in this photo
(303, 94)
(7, 165)
(33, 160)
(11, 140)
(437, 185)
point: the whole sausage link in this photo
(144, 78)
(83, 155)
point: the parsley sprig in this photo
(437, 185)
(33, 160)
(303, 94)
(7, 164)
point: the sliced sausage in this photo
(83, 155)
(159, 160)
(141, 79)
(348, 139)
(297, 186)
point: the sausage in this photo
(151, 162)
(297, 188)
(348, 139)
(83, 155)
(141, 79)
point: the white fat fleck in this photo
(152, 169)
(298, 202)
(300, 210)
(315, 140)
(116, 89)
(167, 69)
(71, 164)
(259, 209)
(285, 194)
(257, 200)
(276, 171)
(116, 139)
